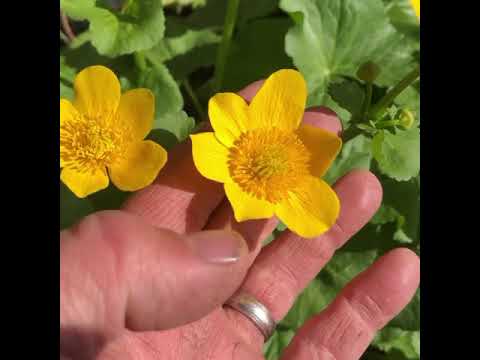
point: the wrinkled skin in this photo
(133, 288)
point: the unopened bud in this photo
(406, 119)
(368, 72)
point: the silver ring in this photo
(255, 311)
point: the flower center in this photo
(88, 143)
(267, 163)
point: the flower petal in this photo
(228, 113)
(246, 207)
(310, 210)
(139, 167)
(97, 91)
(83, 184)
(416, 7)
(280, 102)
(67, 111)
(210, 157)
(323, 146)
(136, 110)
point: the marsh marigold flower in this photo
(270, 164)
(103, 130)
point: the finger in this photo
(345, 329)
(118, 270)
(181, 199)
(284, 267)
(323, 118)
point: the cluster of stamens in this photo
(88, 143)
(267, 163)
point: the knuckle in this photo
(366, 308)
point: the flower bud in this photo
(368, 72)
(406, 119)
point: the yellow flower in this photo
(104, 129)
(269, 163)
(416, 7)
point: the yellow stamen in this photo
(267, 163)
(88, 143)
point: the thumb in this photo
(118, 271)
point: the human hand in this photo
(149, 282)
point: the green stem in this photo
(381, 106)
(368, 101)
(222, 53)
(140, 61)
(196, 103)
(388, 123)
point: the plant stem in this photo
(196, 103)
(384, 102)
(140, 61)
(222, 53)
(64, 37)
(368, 101)
(66, 26)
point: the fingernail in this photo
(218, 246)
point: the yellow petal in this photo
(323, 146)
(228, 113)
(310, 210)
(67, 111)
(136, 110)
(210, 157)
(416, 7)
(139, 167)
(97, 91)
(83, 184)
(246, 207)
(280, 102)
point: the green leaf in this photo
(66, 91)
(72, 208)
(168, 48)
(398, 155)
(109, 199)
(404, 197)
(334, 37)
(138, 26)
(355, 154)
(86, 55)
(391, 338)
(183, 3)
(348, 94)
(182, 65)
(384, 215)
(179, 124)
(67, 73)
(256, 52)
(168, 98)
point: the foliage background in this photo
(171, 48)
